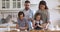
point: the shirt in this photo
(22, 23)
(45, 15)
(28, 13)
(38, 22)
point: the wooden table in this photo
(37, 31)
(44, 31)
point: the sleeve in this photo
(18, 21)
(17, 24)
(31, 14)
(48, 16)
(26, 22)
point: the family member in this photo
(28, 14)
(22, 23)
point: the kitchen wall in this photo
(54, 13)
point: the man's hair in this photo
(20, 13)
(27, 1)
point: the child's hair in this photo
(20, 13)
(43, 3)
(37, 15)
(27, 1)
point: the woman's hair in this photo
(43, 3)
(20, 13)
(38, 14)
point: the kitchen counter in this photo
(35, 31)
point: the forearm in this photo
(40, 26)
(26, 28)
(17, 26)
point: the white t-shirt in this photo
(26, 14)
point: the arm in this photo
(48, 16)
(17, 26)
(41, 26)
(31, 15)
(44, 26)
(34, 24)
(26, 26)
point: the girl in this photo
(38, 22)
(22, 23)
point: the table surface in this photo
(13, 25)
(12, 30)
(34, 31)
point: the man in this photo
(28, 14)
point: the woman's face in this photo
(38, 17)
(42, 7)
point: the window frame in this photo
(8, 5)
(11, 5)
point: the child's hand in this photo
(38, 25)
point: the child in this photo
(22, 22)
(38, 22)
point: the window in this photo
(5, 4)
(11, 4)
(16, 4)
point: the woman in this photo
(43, 9)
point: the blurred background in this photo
(9, 10)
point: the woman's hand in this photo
(44, 25)
(40, 26)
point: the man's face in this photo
(27, 5)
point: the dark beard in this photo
(26, 8)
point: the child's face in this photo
(38, 17)
(21, 16)
(42, 7)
